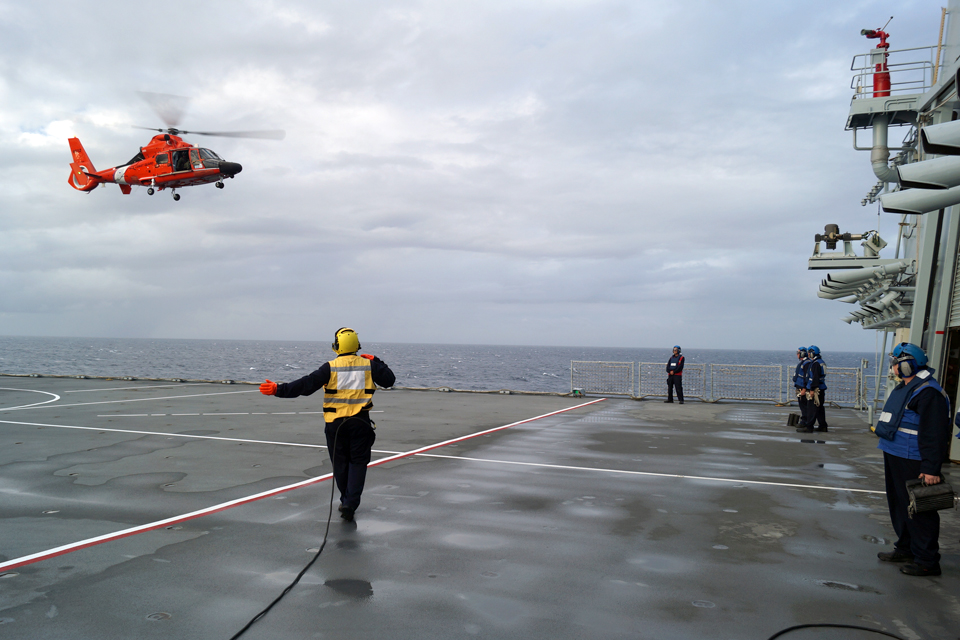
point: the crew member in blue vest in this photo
(349, 382)
(914, 431)
(816, 385)
(675, 375)
(800, 382)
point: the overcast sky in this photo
(582, 173)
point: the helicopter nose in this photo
(230, 168)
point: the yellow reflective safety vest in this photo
(350, 388)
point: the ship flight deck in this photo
(155, 509)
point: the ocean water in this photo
(475, 367)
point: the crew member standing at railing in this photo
(675, 375)
(816, 386)
(800, 382)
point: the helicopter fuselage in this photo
(166, 162)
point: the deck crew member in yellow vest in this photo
(349, 382)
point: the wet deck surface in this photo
(570, 526)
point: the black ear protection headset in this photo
(336, 340)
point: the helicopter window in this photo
(181, 161)
(136, 158)
(210, 159)
(195, 159)
(162, 158)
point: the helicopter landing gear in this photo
(176, 196)
(219, 185)
(150, 191)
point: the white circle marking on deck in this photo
(35, 404)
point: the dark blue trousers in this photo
(918, 535)
(675, 381)
(350, 455)
(810, 412)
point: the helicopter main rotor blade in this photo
(170, 108)
(275, 134)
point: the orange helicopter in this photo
(167, 161)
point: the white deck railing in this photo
(712, 382)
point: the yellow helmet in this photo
(345, 340)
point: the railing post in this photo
(780, 387)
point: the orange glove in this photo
(367, 356)
(268, 388)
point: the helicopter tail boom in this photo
(82, 173)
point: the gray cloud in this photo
(609, 173)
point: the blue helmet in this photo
(908, 358)
(802, 349)
(814, 349)
(677, 347)
(905, 350)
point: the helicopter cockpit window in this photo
(136, 158)
(162, 158)
(181, 161)
(210, 159)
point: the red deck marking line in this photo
(90, 542)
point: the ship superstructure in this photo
(913, 293)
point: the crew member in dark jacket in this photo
(349, 382)
(816, 387)
(914, 431)
(675, 375)
(800, 382)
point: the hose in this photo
(831, 626)
(326, 532)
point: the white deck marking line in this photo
(650, 473)
(85, 404)
(161, 433)
(245, 413)
(176, 435)
(430, 455)
(89, 542)
(152, 386)
(27, 406)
